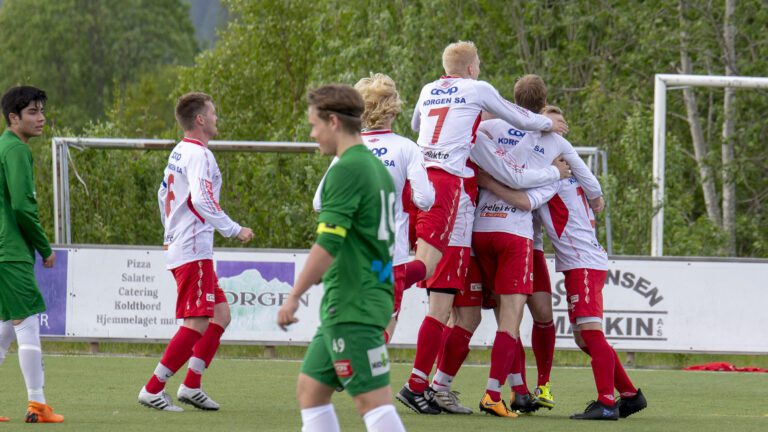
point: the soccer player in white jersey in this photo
(190, 212)
(446, 116)
(569, 222)
(403, 160)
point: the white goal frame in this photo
(660, 129)
(597, 160)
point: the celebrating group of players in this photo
(482, 248)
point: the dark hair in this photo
(531, 93)
(18, 98)
(343, 101)
(189, 106)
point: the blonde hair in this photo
(382, 101)
(457, 56)
(551, 109)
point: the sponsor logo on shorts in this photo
(573, 299)
(343, 368)
(210, 297)
(475, 287)
(378, 359)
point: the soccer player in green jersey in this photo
(353, 255)
(20, 236)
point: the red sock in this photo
(518, 366)
(503, 355)
(177, 353)
(386, 337)
(603, 361)
(456, 348)
(204, 350)
(443, 340)
(427, 347)
(543, 343)
(415, 271)
(621, 379)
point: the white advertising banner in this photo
(650, 304)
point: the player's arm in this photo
(21, 187)
(416, 118)
(340, 202)
(204, 202)
(423, 193)
(515, 115)
(580, 170)
(162, 194)
(513, 197)
(507, 171)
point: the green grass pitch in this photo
(98, 393)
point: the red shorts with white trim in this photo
(451, 271)
(435, 225)
(541, 282)
(198, 289)
(399, 272)
(584, 292)
(472, 292)
(506, 261)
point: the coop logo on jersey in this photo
(379, 151)
(378, 359)
(449, 91)
(516, 133)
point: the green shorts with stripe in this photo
(19, 295)
(349, 356)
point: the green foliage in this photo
(82, 52)
(599, 60)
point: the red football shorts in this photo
(399, 272)
(435, 225)
(506, 261)
(198, 289)
(541, 282)
(472, 292)
(584, 289)
(451, 271)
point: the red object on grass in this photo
(723, 367)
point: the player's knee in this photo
(222, 315)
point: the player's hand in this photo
(563, 167)
(559, 126)
(597, 204)
(245, 235)
(285, 316)
(484, 180)
(50, 261)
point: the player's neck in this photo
(197, 136)
(344, 142)
(17, 131)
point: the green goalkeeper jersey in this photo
(356, 226)
(20, 230)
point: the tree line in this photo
(114, 68)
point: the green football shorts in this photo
(349, 356)
(19, 295)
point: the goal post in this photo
(661, 83)
(596, 159)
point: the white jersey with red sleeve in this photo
(536, 150)
(189, 204)
(405, 164)
(570, 225)
(447, 116)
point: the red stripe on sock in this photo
(415, 271)
(177, 353)
(621, 379)
(205, 349)
(518, 366)
(455, 349)
(503, 354)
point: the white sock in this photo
(493, 385)
(319, 419)
(442, 381)
(196, 365)
(514, 379)
(31, 357)
(383, 419)
(7, 335)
